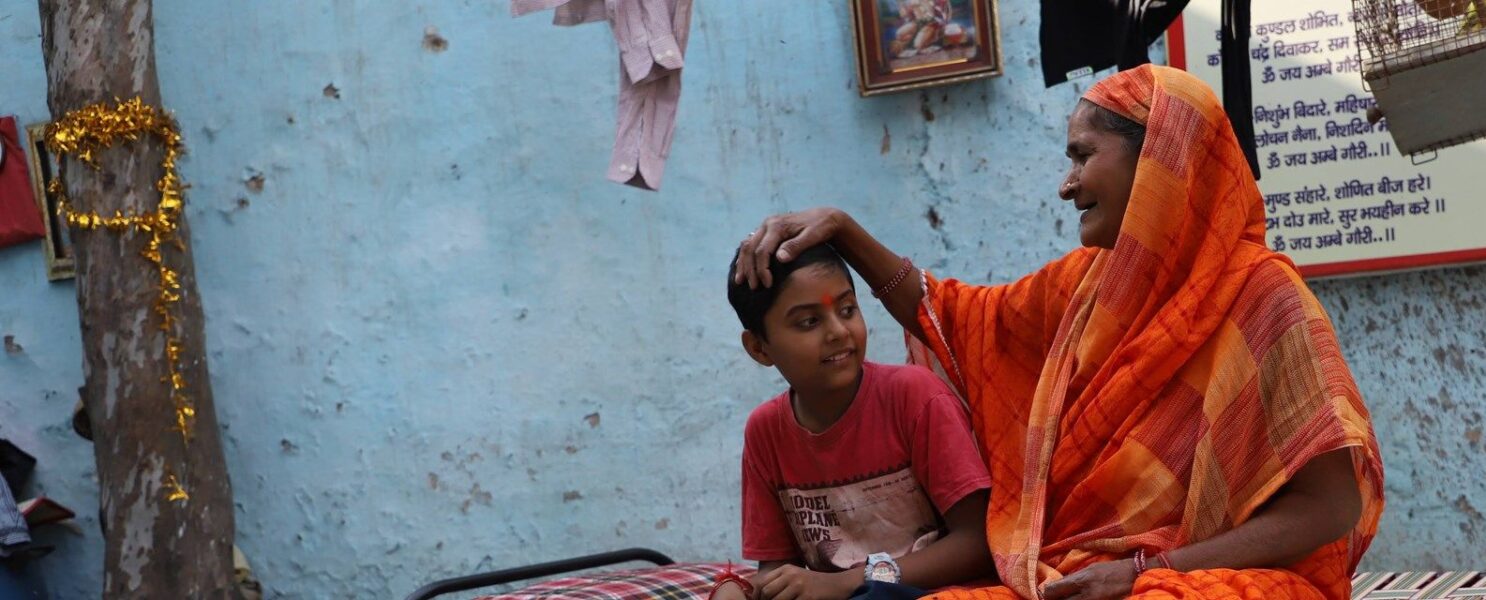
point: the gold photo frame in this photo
(58, 251)
(911, 44)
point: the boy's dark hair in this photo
(752, 303)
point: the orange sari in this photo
(1157, 394)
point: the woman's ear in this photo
(755, 347)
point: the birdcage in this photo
(1425, 63)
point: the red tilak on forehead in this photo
(827, 300)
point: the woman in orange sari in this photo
(1165, 411)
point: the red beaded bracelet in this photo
(897, 279)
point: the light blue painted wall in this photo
(412, 322)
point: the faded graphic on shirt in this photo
(839, 524)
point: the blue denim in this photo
(877, 590)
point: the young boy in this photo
(862, 480)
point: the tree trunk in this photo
(100, 50)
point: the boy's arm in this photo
(947, 464)
(960, 556)
(733, 591)
(764, 566)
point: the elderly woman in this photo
(1165, 411)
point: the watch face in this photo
(883, 572)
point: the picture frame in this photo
(60, 263)
(912, 44)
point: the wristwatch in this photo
(882, 567)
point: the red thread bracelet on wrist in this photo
(729, 576)
(897, 279)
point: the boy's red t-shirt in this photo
(878, 480)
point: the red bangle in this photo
(1139, 562)
(897, 279)
(730, 576)
(1165, 562)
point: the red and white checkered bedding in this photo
(690, 581)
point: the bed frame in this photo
(1365, 586)
(547, 569)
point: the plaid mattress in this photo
(693, 581)
(1461, 585)
(690, 581)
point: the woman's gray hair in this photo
(1111, 121)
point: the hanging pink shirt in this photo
(652, 37)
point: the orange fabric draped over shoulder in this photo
(1157, 394)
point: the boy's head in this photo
(807, 324)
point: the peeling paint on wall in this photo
(442, 343)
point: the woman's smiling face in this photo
(1100, 176)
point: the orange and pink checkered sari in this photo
(1157, 394)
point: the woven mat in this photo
(1462, 585)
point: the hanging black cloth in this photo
(1082, 36)
(1238, 92)
(15, 465)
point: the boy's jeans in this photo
(877, 590)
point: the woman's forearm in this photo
(1319, 505)
(1274, 538)
(878, 266)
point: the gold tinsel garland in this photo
(85, 133)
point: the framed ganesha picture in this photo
(911, 44)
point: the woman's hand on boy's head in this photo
(783, 236)
(791, 582)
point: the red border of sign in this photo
(1176, 44)
(1176, 56)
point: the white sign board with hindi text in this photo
(1339, 198)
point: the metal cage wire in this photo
(1401, 36)
(1396, 35)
